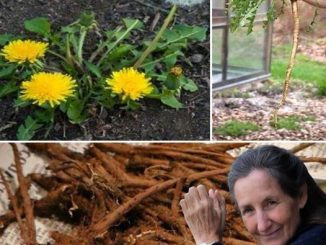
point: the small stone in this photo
(104, 114)
(196, 58)
(57, 127)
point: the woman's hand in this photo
(204, 213)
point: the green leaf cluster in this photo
(90, 65)
(243, 14)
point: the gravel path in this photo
(258, 108)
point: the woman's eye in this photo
(271, 203)
(246, 211)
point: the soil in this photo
(153, 121)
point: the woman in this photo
(278, 200)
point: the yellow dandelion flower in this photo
(129, 83)
(48, 87)
(20, 51)
(176, 70)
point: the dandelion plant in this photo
(54, 74)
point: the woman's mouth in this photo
(271, 235)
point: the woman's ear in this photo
(303, 196)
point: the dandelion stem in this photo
(96, 52)
(83, 34)
(58, 55)
(160, 59)
(48, 130)
(68, 59)
(154, 96)
(153, 43)
(52, 114)
(102, 46)
(51, 110)
(116, 43)
(51, 69)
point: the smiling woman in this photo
(269, 215)
(278, 200)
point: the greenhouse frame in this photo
(239, 58)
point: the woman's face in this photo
(269, 214)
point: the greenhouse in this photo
(238, 58)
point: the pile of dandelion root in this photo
(121, 193)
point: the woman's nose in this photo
(263, 222)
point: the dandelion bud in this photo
(176, 71)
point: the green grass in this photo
(236, 128)
(288, 122)
(304, 71)
(233, 93)
(292, 122)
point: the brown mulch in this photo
(258, 109)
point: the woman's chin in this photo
(274, 238)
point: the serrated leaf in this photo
(93, 69)
(114, 33)
(188, 84)
(120, 51)
(7, 71)
(25, 74)
(171, 59)
(105, 99)
(192, 32)
(155, 90)
(172, 82)
(39, 25)
(4, 38)
(148, 67)
(131, 105)
(160, 77)
(43, 116)
(133, 23)
(8, 88)
(177, 46)
(21, 103)
(87, 18)
(75, 111)
(180, 33)
(244, 13)
(170, 35)
(27, 130)
(64, 107)
(170, 100)
(70, 29)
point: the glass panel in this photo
(261, 12)
(246, 52)
(217, 54)
(218, 4)
(219, 13)
(263, 8)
